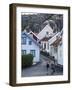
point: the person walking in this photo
(47, 66)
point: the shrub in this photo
(27, 60)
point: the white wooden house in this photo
(46, 31)
(52, 39)
(56, 48)
(29, 45)
(60, 53)
(47, 41)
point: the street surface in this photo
(40, 69)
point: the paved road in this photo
(39, 69)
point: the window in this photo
(57, 37)
(32, 52)
(46, 33)
(60, 53)
(30, 42)
(23, 52)
(44, 45)
(55, 50)
(60, 43)
(24, 40)
(48, 45)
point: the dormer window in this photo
(24, 40)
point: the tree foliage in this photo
(35, 22)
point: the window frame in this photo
(24, 40)
(30, 42)
(23, 52)
(33, 52)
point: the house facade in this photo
(53, 39)
(46, 31)
(60, 54)
(56, 50)
(30, 46)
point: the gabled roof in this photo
(25, 33)
(57, 42)
(45, 39)
(42, 33)
(47, 27)
(54, 37)
(33, 34)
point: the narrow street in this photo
(39, 69)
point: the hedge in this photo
(27, 60)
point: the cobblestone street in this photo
(39, 69)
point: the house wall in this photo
(53, 52)
(35, 47)
(42, 34)
(60, 54)
(51, 48)
(42, 43)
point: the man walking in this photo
(47, 66)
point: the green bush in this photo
(27, 60)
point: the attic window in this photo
(57, 37)
(60, 43)
(47, 33)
